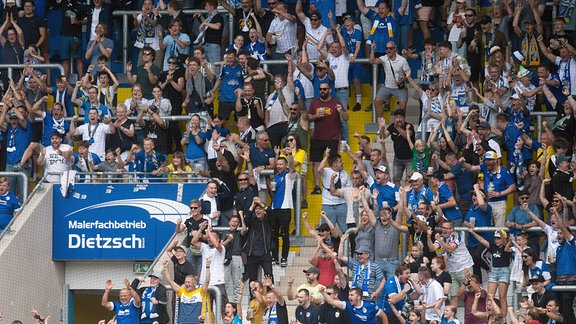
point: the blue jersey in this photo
(8, 205)
(351, 39)
(65, 99)
(365, 313)
(383, 30)
(565, 256)
(193, 149)
(17, 141)
(283, 196)
(392, 286)
(150, 162)
(231, 80)
(415, 197)
(316, 81)
(444, 194)
(127, 314)
(465, 180)
(483, 218)
(102, 110)
(386, 193)
(50, 125)
(498, 181)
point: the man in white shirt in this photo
(314, 30)
(282, 33)
(94, 131)
(54, 158)
(433, 292)
(394, 68)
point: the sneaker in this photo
(369, 108)
(17, 168)
(284, 263)
(317, 191)
(274, 262)
(304, 204)
(357, 107)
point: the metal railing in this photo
(11, 67)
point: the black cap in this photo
(400, 111)
(484, 125)
(485, 20)
(438, 175)
(536, 278)
(323, 228)
(523, 193)
(55, 133)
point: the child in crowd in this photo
(414, 316)
(420, 155)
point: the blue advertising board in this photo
(118, 221)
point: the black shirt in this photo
(308, 315)
(182, 270)
(172, 94)
(402, 150)
(542, 301)
(214, 36)
(31, 29)
(333, 315)
(243, 199)
(159, 134)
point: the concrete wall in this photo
(29, 276)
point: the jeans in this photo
(233, 272)
(280, 227)
(213, 55)
(388, 267)
(400, 167)
(342, 96)
(403, 33)
(337, 215)
(201, 162)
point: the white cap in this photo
(416, 176)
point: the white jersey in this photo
(216, 266)
(54, 162)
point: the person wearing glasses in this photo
(322, 72)
(458, 258)
(314, 30)
(366, 275)
(191, 225)
(395, 69)
(146, 74)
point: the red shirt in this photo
(326, 128)
(327, 271)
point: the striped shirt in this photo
(313, 37)
(285, 33)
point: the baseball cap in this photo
(157, 275)
(495, 49)
(382, 168)
(180, 247)
(501, 234)
(562, 158)
(363, 249)
(399, 111)
(416, 176)
(518, 56)
(490, 155)
(312, 270)
(524, 73)
(536, 278)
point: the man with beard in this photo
(306, 312)
(325, 112)
(54, 158)
(400, 130)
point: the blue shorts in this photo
(500, 274)
(354, 71)
(65, 47)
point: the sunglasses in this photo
(469, 15)
(243, 179)
(290, 140)
(324, 89)
(313, 19)
(272, 3)
(524, 198)
(171, 62)
(194, 208)
(390, 48)
(147, 53)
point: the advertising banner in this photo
(118, 221)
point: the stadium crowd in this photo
(484, 68)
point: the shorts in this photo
(225, 109)
(500, 274)
(354, 71)
(385, 94)
(317, 148)
(65, 48)
(458, 279)
(423, 14)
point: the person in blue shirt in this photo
(360, 311)
(446, 200)
(479, 215)
(519, 220)
(128, 308)
(231, 79)
(566, 268)
(9, 203)
(418, 193)
(384, 24)
(353, 39)
(396, 291)
(498, 184)
(511, 132)
(151, 160)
